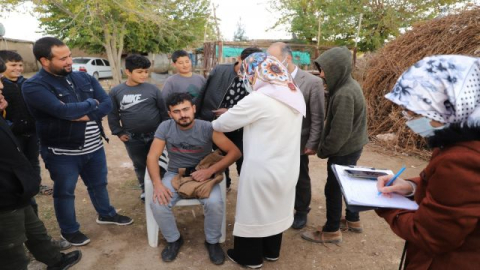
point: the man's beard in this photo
(184, 124)
(60, 71)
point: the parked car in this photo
(97, 67)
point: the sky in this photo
(255, 16)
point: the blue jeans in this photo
(137, 148)
(64, 171)
(212, 208)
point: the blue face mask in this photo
(422, 126)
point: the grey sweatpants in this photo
(212, 207)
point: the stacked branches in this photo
(454, 34)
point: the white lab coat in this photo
(271, 142)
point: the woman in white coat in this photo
(271, 116)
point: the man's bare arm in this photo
(161, 194)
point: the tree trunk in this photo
(114, 51)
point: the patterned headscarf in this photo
(445, 88)
(268, 76)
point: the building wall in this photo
(25, 49)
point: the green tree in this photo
(239, 34)
(382, 19)
(115, 26)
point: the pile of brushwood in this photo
(453, 34)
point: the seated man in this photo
(188, 141)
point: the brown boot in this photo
(323, 237)
(353, 226)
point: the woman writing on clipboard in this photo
(441, 100)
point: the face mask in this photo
(247, 85)
(285, 63)
(422, 126)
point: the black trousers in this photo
(333, 193)
(237, 138)
(23, 226)
(303, 190)
(251, 251)
(29, 146)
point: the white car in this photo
(97, 67)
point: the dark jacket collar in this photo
(20, 80)
(43, 72)
(455, 133)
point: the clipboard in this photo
(361, 194)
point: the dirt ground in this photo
(118, 247)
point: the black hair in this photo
(43, 47)
(246, 52)
(136, 61)
(10, 56)
(2, 66)
(177, 98)
(177, 54)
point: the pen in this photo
(393, 178)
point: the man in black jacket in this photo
(18, 184)
(223, 89)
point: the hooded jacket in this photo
(444, 233)
(345, 129)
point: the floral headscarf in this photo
(445, 88)
(268, 76)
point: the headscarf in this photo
(445, 88)
(268, 76)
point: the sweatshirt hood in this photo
(336, 63)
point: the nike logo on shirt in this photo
(129, 101)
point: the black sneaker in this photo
(215, 252)
(170, 252)
(76, 238)
(61, 244)
(117, 219)
(68, 260)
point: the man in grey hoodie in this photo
(342, 141)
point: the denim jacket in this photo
(55, 104)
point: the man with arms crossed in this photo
(188, 141)
(68, 108)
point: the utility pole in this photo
(215, 19)
(356, 40)
(219, 38)
(319, 31)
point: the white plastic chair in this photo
(152, 226)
